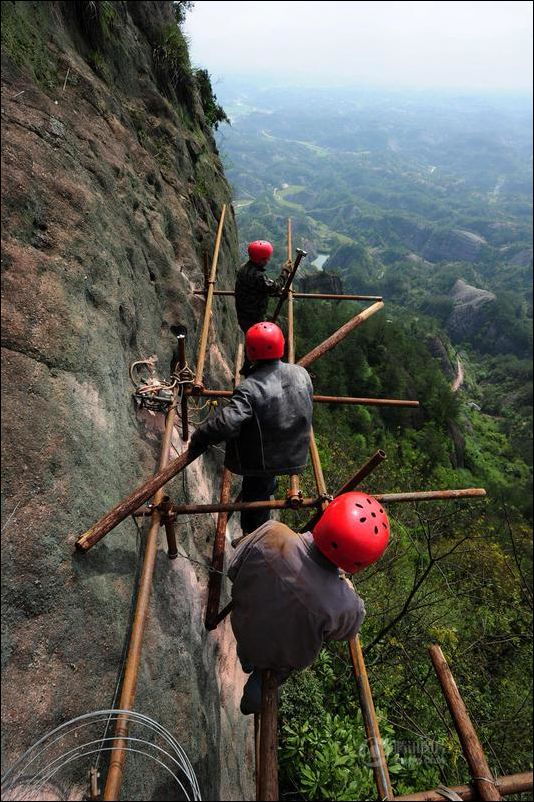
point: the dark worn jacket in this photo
(252, 290)
(266, 423)
(288, 599)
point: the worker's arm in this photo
(348, 621)
(261, 281)
(225, 424)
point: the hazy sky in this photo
(485, 45)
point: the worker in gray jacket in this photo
(266, 424)
(288, 595)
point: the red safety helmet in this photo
(264, 341)
(260, 251)
(353, 532)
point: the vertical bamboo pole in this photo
(317, 470)
(293, 493)
(290, 308)
(198, 383)
(183, 403)
(372, 731)
(483, 779)
(374, 740)
(257, 718)
(131, 669)
(172, 548)
(268, 785)
(217, 560)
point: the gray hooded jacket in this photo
(266, 424)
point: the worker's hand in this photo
(195, 449)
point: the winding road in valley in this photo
(459, 378)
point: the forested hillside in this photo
(426, 201)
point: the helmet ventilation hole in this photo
(359, 505)
(363, 520)
(373, 514)
(381, 510)
(369, 501)
(384, 525)
(376, 530)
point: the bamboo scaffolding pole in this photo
(326, 296)
(379, 764)
(369, 466)
(132, 502)
(257, 752)
(377, 459)
(512, 784)
(290, 310)
(279, 504)
(231, 506)
(217, 560)
(339, 335)
(483, 779)
(430, 495)
(330, 399)
(318, 296)
(183, 402)
(318, 471)
(131, 669)
(372, 731)
(268, 784)
(170, 532)
(198, 383)
(294, 494)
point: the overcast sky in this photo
(483, 45)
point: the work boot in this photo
(251, 699)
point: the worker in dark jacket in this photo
(266, 424)
(253, 287)
(288, 595)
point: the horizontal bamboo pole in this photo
(128, 505)
(275, 504)
(512, 784)
(385, 498)
(483, 779)
(317, 296)
(339, 335)
(430, 495)
(331, 399)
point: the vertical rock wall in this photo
(112, 189)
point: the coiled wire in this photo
(42, 766)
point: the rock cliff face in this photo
(112, 190)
